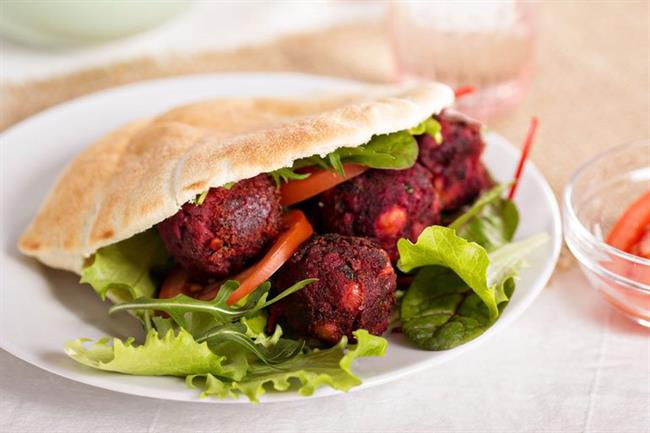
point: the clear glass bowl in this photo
(594, 199)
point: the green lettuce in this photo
(395, 151)
(125, 270)
(460, 289)
(315, 368)
(172, 355)
(491, 222)
(180, 355)
(429, 126)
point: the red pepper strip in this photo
(528, 144)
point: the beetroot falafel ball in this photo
(458, 175)
(231, 227)
(355, 288)
(384, 205)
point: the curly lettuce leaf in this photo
(440, 246)
(227, 373)
(172, 355)
(124, 271)
(484, 274)
(311, 370)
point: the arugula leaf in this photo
(123, 271)
(429, 126)
(286, 174)
(221, 313)
(270, 350)
(491, 221)
(313, 369)
(441, 312)
(398, 150)
(447, 304)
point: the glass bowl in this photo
(595, 197)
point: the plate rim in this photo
(539, 282)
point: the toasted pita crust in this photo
(143, 172)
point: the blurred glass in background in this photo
(488, 45)
(68, 23)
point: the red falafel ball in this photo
(384, 205)
(458, 175)
(355, 288)
(231, 227)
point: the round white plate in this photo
(42, 308)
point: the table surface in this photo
(570, 364)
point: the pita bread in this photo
(141, 173)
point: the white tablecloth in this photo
(569, 364)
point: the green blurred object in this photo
(68, 23)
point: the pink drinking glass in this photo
(487, 45)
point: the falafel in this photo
(222, 235)
(355, 288)
(384, 205)
(458, 175)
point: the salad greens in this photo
(463, 282)
(429, 126)
(311, 370)
(491, 222)
(125, 271)
(394, 151)
(224, 345)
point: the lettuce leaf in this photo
(484, 274)
(124, 271)
(171, 355)
(311, 370)
(227, 374)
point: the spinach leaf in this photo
(460, 289)
(429, 126)
(491, 221)
(440, 312)
(397, 151)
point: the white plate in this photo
(42, 308)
